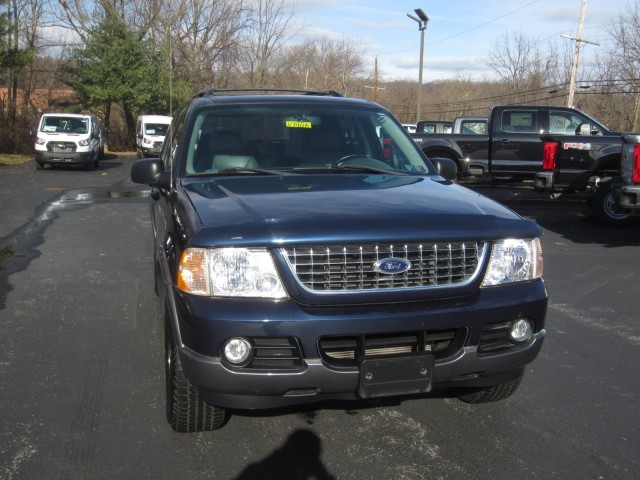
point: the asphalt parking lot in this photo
(82, 380)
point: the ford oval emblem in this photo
(392, 265)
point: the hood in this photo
(316, 209)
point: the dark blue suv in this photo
(306, 249)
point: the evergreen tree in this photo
(117, 66)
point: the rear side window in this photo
(523, 121)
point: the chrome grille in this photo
(352, 267)
(61, 147)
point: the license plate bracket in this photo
(381, 377)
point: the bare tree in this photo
(520, 64)
(624, 55)
(327, 65)
(267, 33)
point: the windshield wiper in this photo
(363, 168)
(246, 171)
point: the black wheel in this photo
(603, 205)
(489, 394)
(186, 412)
(39, 166)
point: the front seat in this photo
(222, 149)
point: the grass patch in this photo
(10, 159)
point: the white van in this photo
(150, 133)
(70, 139)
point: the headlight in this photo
(514, 260)
(147, 141)
(229, 272)
(40, 141)
(83, 143)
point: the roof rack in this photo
(217, 91)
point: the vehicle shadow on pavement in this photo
(298, 457)
(588, 230)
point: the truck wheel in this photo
(489, 394)
(186, 412)
(604, 207)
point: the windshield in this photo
(156, 128)
(60, 124)
(299, 138)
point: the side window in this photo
(172, 141)
(473, 127)
(565, 123)
(520, 121)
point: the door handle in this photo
(505, 140)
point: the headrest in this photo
(325, 139)
(225, 141)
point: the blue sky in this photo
(460, 33)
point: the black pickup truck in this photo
(586, 164)
(513, 148)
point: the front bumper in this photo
(204, 324)
(151, 151)
(72, 158)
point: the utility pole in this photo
(422, 20)
(375, 87)
(576, 55)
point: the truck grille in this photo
(352, 267)
(61, 147)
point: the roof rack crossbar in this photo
(217, 91)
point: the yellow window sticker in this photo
(297, 124)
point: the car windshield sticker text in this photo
(297, 124)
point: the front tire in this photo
(489, 394)
(185, 411)
(603, 205)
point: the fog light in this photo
(521, 330)
(237, 351)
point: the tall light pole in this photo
(422, 20)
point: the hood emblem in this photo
(392, 265)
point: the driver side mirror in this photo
(150, 171)
(587, 130)
(447, 168)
